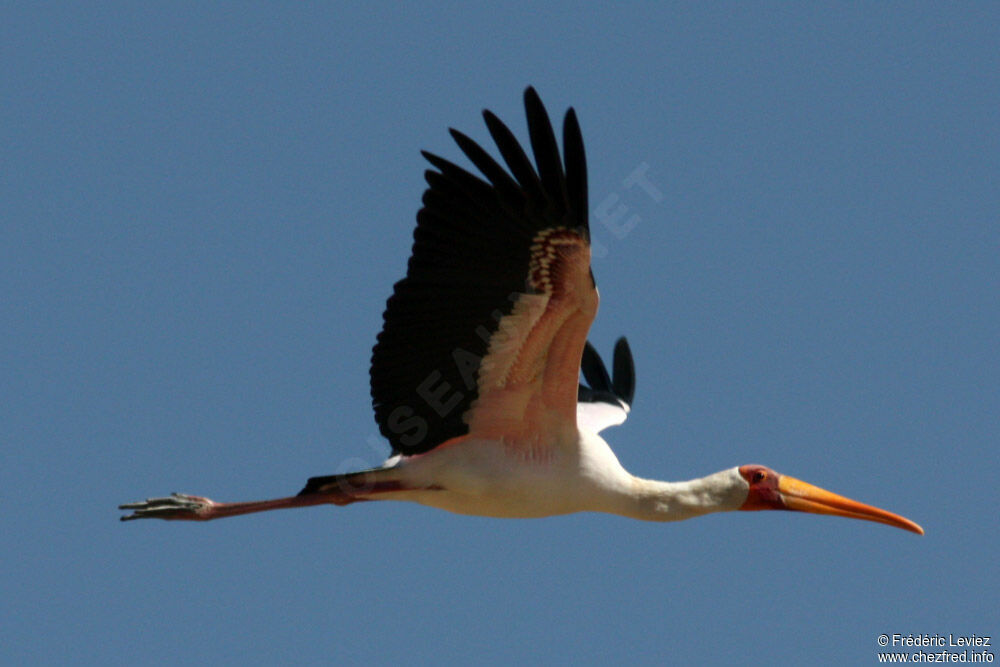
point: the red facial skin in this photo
(763, 494)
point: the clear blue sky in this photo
(203, 211)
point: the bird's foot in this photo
(176, 506)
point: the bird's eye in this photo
(759, 476)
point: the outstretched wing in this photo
(485, 333)
(607, 400)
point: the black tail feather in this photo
(344, 481)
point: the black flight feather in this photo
(470, 259)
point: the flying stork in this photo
(475, 375)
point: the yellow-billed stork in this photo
(475, 375)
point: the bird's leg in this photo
(182, 507)
(342, 489)
(335, 490)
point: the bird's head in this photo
(770, 490)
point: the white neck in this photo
(651, 500)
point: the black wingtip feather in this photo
(619, 387)
(594, 371)
(496, 174)
(515, 157)
(543, 144)
(576, 168)
(623, 371)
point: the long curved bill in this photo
(804, 497)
